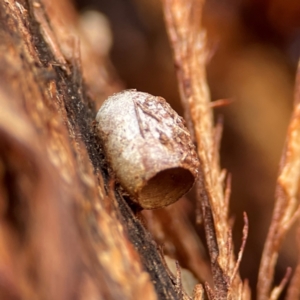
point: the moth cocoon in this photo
(148, 147)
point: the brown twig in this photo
(278, 289)
(178, 279)
(229, 248)
(242, 249)
(183, 21)
(217, 136)
(246, 292)
(294, 287)
(227, 192)
(286, 203)
(198, 293)
(220, 103)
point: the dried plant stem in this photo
(178, 280)
(183, 21)
(294, 287)
(278, 289)
(198, 292)
(242, 249)
(286, 209)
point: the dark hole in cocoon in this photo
(165, 187)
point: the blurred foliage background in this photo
(254, 47)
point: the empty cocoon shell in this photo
(148, 147)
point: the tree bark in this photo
(66, 231)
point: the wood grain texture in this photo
(66, 232)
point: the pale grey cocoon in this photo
(148, 147)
